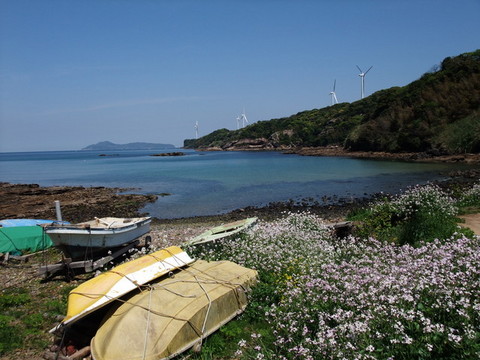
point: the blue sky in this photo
(73, 73)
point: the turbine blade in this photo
(334, 84)
(359, 68)
(368, 69)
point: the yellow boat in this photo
(174, 313)
(110, 285)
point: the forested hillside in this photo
(440, 113)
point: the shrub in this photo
(471, 197)
(422, 213)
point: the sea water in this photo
(209, 183)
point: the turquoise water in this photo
(208, 183)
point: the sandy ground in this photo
(472, 221)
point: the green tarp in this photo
(20, 239)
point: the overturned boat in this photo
(94, 238)
(174, 313)
(111, 285)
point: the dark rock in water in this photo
(176, 153)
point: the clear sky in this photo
(73, 73)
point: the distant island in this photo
(107, 145)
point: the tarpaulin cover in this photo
(19, 239)
(173, 314)
(24, 222)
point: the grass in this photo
(26, 316)
(30, 307)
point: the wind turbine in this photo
(238, 122)
(333, 95)
(243, 118)
(196, 129)
(362, 76)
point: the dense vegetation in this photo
(412, 292)
(440, 112)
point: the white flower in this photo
(238, 353)
(242, 343)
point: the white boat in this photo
(92, 238)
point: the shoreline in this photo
(338, 151)
(407, 156)
(80, 203)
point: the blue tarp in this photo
(26, 222)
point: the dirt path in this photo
(472, 221)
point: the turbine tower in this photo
(362, 76)
(243, 118)
(333, 95)
(196, 129)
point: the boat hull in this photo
(175, 313)
(222, 231)
(82, 241)
(110, 285)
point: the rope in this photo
(89, 246)
(148, 324)
(207, 312)
(61, 344)
(44, 254)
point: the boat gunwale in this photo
(82, 228)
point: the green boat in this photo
(222, 231)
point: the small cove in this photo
(210, 183)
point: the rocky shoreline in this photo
(338, 151)
(78, 203)
(413, 156)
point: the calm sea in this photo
(208, 183)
